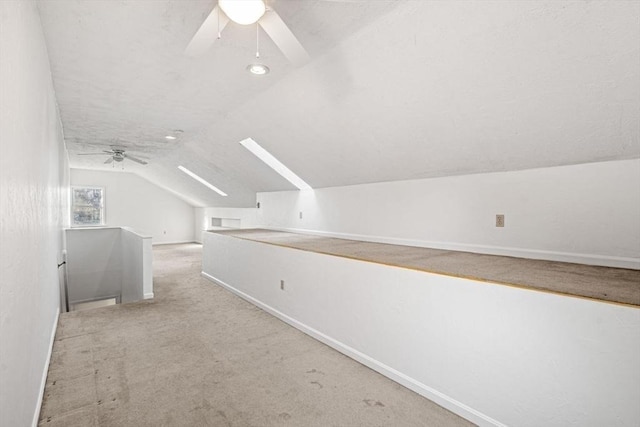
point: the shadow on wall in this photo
(110, 263)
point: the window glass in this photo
(87, 206)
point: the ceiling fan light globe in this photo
(243, 12)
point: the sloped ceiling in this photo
(395, 90)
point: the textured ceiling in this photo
(395, 90)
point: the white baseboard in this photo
(45, 372)
(589, 259)
(412, 384)
(177, 242)
(148, 295)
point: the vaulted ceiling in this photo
(394, 90)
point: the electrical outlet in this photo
(282, 285)
(500, 220)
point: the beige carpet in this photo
(600, 283)
(198, 355)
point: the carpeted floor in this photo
(602, 283)
(199, 356)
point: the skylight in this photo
(274, 163)
(202, 181)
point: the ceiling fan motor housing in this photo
(118, 155)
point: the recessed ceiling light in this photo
(258, 69)
(202, 181)
(174, 134)
(274, 163)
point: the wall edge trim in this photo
(439, 398)
(45, 372)
(177, 242)
(577, 258)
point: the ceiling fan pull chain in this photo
(257, 40)
(219, 32)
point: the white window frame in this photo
(102, 206)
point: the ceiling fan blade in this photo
(91, 154)
(142, 162)
(282, 36)
(109, 160)
(208, 32)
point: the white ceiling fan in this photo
(116, 154)
(247, 12)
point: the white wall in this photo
(137, 266)
(230, 217)
(495, 354)
(94, 263)
(132, 201)
(584, 213)
(33, 211)
(106, 262)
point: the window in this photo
(87, 206)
